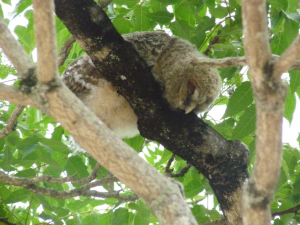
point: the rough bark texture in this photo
(269, 93)
(223, 163)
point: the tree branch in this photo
(287, 59)
(29, 183)
(15, 53)
(294, 210)
(269, 93)
(45, 34)
(12, 122)
(16, 96)
(65, 50)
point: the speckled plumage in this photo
(175, 65)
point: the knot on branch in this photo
(28, 81)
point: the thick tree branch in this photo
(269, 94)
(16, 96)
(45, 33)
(12, 122)
(287, 59)
(185, 135)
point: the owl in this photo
(175, 65)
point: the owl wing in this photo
(77, 76)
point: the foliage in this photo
(39, 146)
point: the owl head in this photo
(197, 93)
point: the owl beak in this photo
(190, 108)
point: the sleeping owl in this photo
(174, 64)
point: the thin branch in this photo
(81, 191)
(288, 58)
(114, 194)
(13, 50)
(12, 122)
(214, 41)
(45, 34)
(46, 178)
(294, 210)
(14, 95)
(168, 171)
(65, 50)
(182, 172)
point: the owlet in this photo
(175, 66)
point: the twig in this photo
(182, 172)
(168, 171)
(288, 58)
(214, 41)
(11, 124)
(294, 210)
(65, 50)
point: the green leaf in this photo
(143, 214)
(122, 25)
(294, 80)
(181, 28)
(129, 3)
(282, 40)
(121, 217)
(162, 17)
(225, 128)
(136, 142)
(29, 173)
(240, 99)
(17, 196)
(246, 124)
(29, 149)
(280, 4)
(168, 2)
(75, 166)
(290, 105)
(7, 2)
(219, 12)
(47, 148)
(141, 22)
(192, 188)
(57, 133)
(293, 16)
(22, 6)
(26, 37)
(91, 219)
